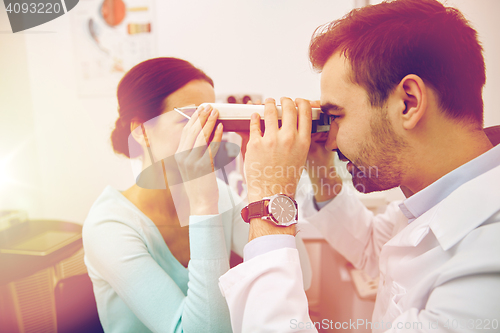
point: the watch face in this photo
(283, 209)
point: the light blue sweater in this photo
(140, 286)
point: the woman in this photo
(149, 273)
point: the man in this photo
(402, 81)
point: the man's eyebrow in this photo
(329, 107)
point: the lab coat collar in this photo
(466, 208)
(424, 200)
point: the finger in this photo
(316, 136)
(194, 117)
(211, 125)
(288, 115)
(205, 114)
(270, 117)
(331, 141)
(187, 136)
(218, 133)
(319, 137)
(315, 104)
(194, 132)
(305, 118)
(216, 142)
(208, 128)
(255, 126)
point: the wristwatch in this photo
(279, 209)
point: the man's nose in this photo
(331, 141)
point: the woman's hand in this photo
(195, 157)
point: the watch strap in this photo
(255, 210)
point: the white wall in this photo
(75, 156)
(257, 46)
(483, 15)
(19, 168)
(249, 46)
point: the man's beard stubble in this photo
(378, 166)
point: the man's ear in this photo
(413, 92)
(136, 130)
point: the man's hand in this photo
(275, 160)
(321, 168)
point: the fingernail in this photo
(201, 108)
(269, 100)
(208, 108)
(219, 127)
(212, 113)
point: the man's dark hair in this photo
(388, 41)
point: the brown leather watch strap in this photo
(255, 210)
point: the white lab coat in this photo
(441, 273)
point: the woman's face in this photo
(164, 131)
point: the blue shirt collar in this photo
(430, 196)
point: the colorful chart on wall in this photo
(110, 37)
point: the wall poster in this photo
(111, 36)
